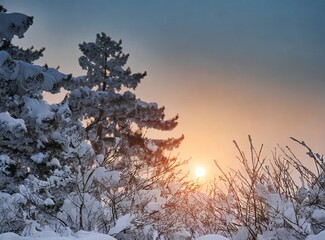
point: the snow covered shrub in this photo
(241, 210)
(307, 195)
(264, 199)
(12, 212)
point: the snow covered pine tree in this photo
(29, 141)
(129, 172)
(16, 24)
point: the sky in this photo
(228, 68)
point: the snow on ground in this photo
(50, 235)
(319, 236)
(212, 237)
(83, 235)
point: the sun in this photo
(200, 172)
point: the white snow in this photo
(38, 109)
(102, 174)
(25, 70)
(64, 112)
(4, 56)
(242, 234)
(50, 235)
(319, 236)
(18, 70)
(51, 76)
(152, 146)
(100, 158)
(12, 122)
(122, 223)
(83, 235)
(57, 137)
(21, 71)
(5, 160)
(49, 81)
(153, 105)
(155, 201)
(55, 163)
(83, 148)
(48, 202)
(118, 69)
(319, 214)
(212, 237)
(14, 24)
(153, 207)
(142, 103)
(18, 198)
(10, 204)
(38, 157)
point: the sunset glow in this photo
(200, 172)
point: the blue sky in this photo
(229, 68)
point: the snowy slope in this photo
(50, 235)
(212, 237)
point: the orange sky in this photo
(211, 118)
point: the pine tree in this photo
(30, 142)
(136, 166)
(16, 24)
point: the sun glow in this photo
(200, 172)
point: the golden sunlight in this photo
(200, 172)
